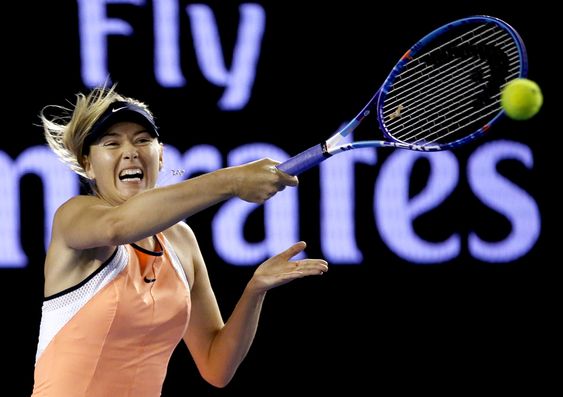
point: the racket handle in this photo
(305, 160)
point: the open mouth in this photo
(131, 175)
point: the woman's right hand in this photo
(259, 180)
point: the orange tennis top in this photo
(113, 334)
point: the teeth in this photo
(131, 174)
(132, 171)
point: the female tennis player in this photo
(125, 280)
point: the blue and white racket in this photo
(444, 91)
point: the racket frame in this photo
(318, 153)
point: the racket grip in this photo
(304, 160)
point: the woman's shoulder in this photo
(180, 232)
(75, 205)
(80, 201)
(182, 240)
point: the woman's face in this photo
(124, 161)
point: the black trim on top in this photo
(149, 252)
(80, 284)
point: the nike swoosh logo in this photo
(149, 280)
(118, 109)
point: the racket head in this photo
(445, 90)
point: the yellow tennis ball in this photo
(521, 99)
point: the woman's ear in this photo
(88, 168)
(161, 157)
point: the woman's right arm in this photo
(88, 222)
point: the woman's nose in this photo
(130, 152)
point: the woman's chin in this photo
(128, 190)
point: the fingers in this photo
(286, 179)
(304, 266)
(260, 180)
(280, 269)
(293, 250)
(309, 267)
(282, 180)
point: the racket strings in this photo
(439, 83)
(428, 103)
(458, 123)
(436, 55)
(456, 104)
(440, 104)
(430, 57)
(419, 79)
(423, 76)
(448, 102)
(435, 74)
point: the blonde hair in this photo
(65, 133)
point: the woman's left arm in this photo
(218, 348)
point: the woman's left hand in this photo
(280, 269)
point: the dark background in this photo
(462, 326)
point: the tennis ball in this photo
(521, 99)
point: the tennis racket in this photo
(444, 92)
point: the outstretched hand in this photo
(280, 269)
(259, 180)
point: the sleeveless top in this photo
(113, 334)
